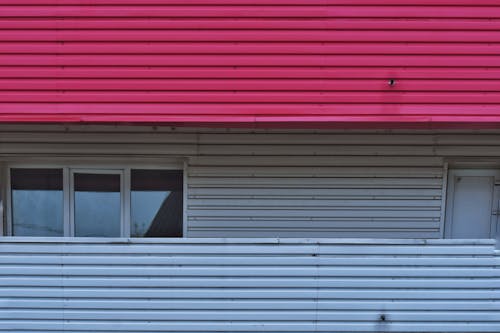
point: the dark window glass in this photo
(37, 202)
(97, 209)
(156, 203)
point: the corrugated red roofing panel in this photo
(263, 63)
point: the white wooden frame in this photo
(98, 168)
(452, 173)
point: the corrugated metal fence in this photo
(248, 285)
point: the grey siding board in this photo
(315, 185)
(290, 201)
(251, 285)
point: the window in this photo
(37, 202)
(156, 203)
(96, 202)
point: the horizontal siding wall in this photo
(306, 185)
(271, 63)
(280, 183)
(314, 202)
(254, 285)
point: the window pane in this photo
(97, 205)
(156, 203)
(37, 202)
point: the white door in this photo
(472, 204)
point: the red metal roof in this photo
(270, 63)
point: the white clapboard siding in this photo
(248, 285)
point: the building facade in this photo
(249, 166)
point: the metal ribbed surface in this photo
(280, 183)
(314, 202)
(314, 185)
(253, 285)
(289, 63)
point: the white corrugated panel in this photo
(250, 285)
